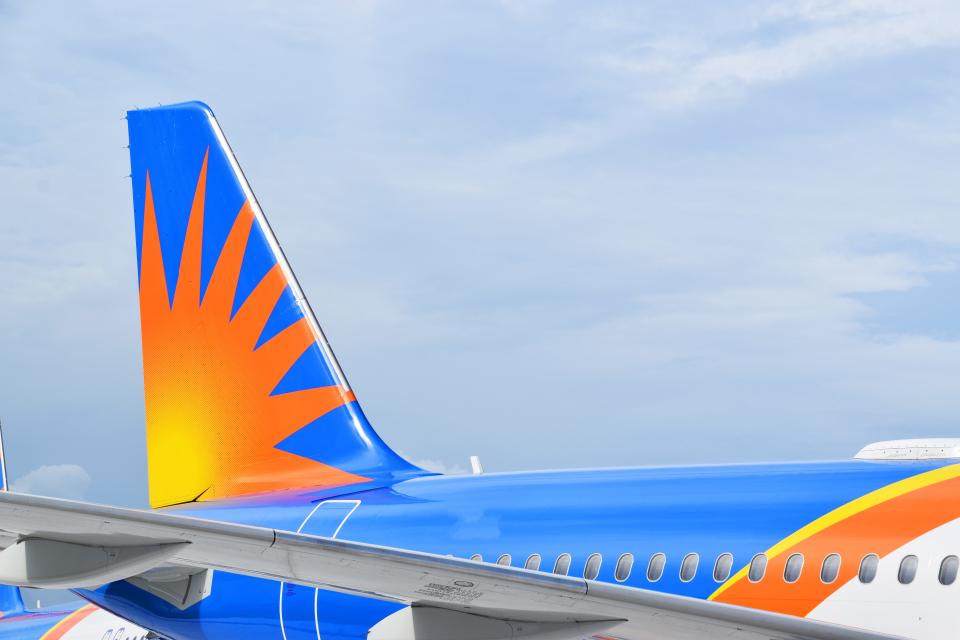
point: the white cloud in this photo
(58, 480)
(689, 67)
(542, 224)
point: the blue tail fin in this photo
(243, 393)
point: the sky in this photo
(551, 234)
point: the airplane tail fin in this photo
(243, 393)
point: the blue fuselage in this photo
(708, 510)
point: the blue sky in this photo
(551, 234)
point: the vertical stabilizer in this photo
(243, 393)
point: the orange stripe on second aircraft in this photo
(61, 628)
(880, 528)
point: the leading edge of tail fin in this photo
(4, 485)
(243, 394)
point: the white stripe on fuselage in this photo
(924, 609)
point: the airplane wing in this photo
(53, 542)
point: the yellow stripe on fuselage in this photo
(847, 510)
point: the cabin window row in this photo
(591, 569)
(866, 572)
(624, 566)
(722, 567)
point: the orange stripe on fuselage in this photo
(61, 628)
(880, 528)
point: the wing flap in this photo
(411, 577)
(53, 564)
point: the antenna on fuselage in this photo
(475, 465)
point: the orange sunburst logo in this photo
(212, 423)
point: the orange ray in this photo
(153, 283)
(287, 346)
(249, 320)
(218, 298)
(303, 407)
(187, 293)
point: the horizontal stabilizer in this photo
(916, 449)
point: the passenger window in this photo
(948, 570)
(624, 567)
(505, 560)
(830, 569)
(562, 566)
(758, 567)
(655, 568)
(688, 568)
(722, 567)
(592, 569)
(791, 571)
(908, 569)
(868, 568)
(533, 562)
(477, 557)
